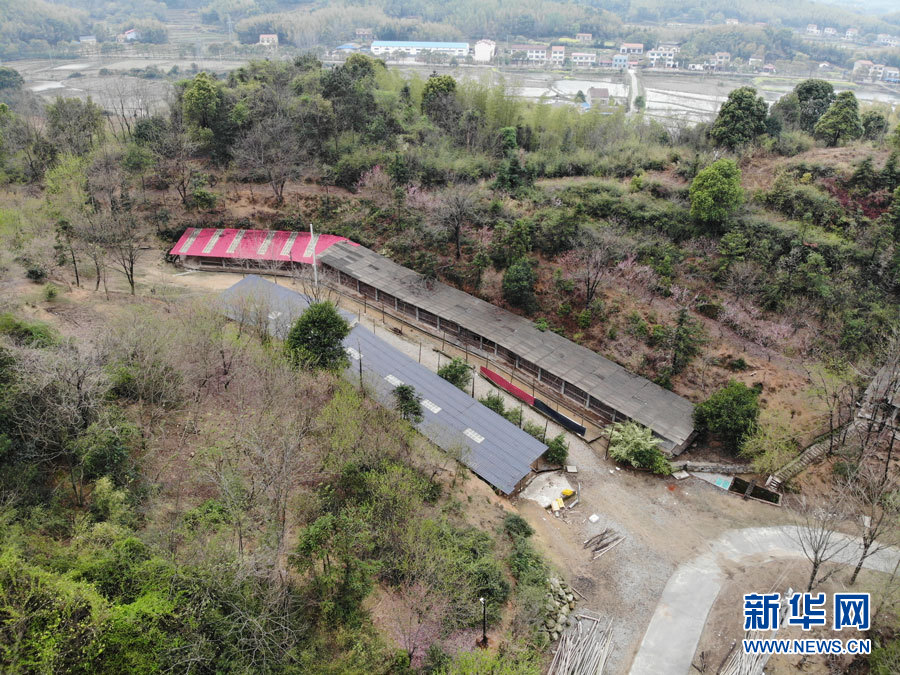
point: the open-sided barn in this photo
(604, 390)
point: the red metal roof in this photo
(208, 242)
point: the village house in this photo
(661, 58)
(631, 48)
(557, 54)
(584, 38)
(484, 51)
(813, 29)
(888, 40)
(597, 96)
(128, 36)
(533, 53)
(268, 39)
(852, 33)
(862, 67)
(88, 39)
(732, 22)
(620, 61)
(876, 72)
(584, 58)
(723, 59)
(365, 34)
(891, 75)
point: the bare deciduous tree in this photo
(458, 208)
(818, 536)
(873, 503)
(270, 148)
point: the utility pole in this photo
(312, 243)
(484, 641)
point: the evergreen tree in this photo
(841, 121)
(518, 284)
(813, 99)
(716, 193)
(741, 119)
(408, 403)
(316, 338)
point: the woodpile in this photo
(603, 542)
(584, 648)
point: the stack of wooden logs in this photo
(584, 648)
(603, 542)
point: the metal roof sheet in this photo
(277, 245)
(504, 454)
(400, 44)
(663, 411)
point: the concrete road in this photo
(632, 90)
(677, 624)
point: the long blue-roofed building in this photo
(380, 47)
(495, 449)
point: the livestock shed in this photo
(496, 450)
(270, 250)
(605, 391)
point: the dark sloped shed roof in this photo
(668, 415)
(487, 443)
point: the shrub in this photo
(28, 333)
(557, 450)
(457, 373)
(535, 430)
(493, 401)
(634, 444)
(516, 526)
(731, 413)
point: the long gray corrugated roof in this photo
(486, 442)
(666, 413)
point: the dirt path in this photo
(664, 522)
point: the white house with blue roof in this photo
(380, 47)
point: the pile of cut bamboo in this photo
(603, 542)
(584, 648)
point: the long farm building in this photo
(605, 391)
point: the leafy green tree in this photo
(874, 124)
(813, 97)
(716, 193)
(634, 444)
(436, 88)
(201, 100)
(785, 114)
(408, 403)
(457, 373)
(841, 121)
(316, 338)
(730, 413)
(10, 78)
(518, 284)
(741, 119)
(333, 550)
